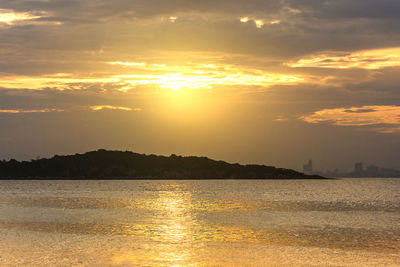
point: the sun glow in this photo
(130, 75)
(174, 85)
(206, 76)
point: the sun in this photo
(179, 81)
(174, 85)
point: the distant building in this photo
(369, 171)
(308, 167)
(358, 167)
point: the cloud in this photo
(367, 59)
(10, 17)
(16, 111)
(258, 22)
(102, 10)
(131, 74)
(359, 110)
(343, 9)
(203, 75)
(384, 119)
(60, 81)
(103, 107)
(128, 63)
(47, 110)
(281, 119)
(134, 27)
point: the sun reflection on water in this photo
(174, 223)
(171, 228)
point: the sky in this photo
(275, 82)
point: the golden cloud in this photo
(203, 71)
(281, 119)
(10, 17)
(102, 107)
(47, 110)
(161, 75)
(376, 116)
(60, 81)
(202, 75)
(365, 59)
(16, 111)
(259, 22)
(172, 19)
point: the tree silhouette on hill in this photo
(103, 164)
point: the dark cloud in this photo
(99, 10)
(120, 27)
(343, 9)
(360, 110)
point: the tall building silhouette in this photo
(308, 167)
(358, 167)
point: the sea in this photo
(338, 222)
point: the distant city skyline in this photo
(359, 170)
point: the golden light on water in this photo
(175, 208)
(173, 224)
(172, 229)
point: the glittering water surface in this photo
(348, 222)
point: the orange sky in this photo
(271, 82)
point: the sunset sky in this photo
(250, 81)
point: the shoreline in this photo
(160, 179)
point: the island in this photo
(104, 165)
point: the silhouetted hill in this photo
(103, 164)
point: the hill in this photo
(103, 164)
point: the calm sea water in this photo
(348, 222)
